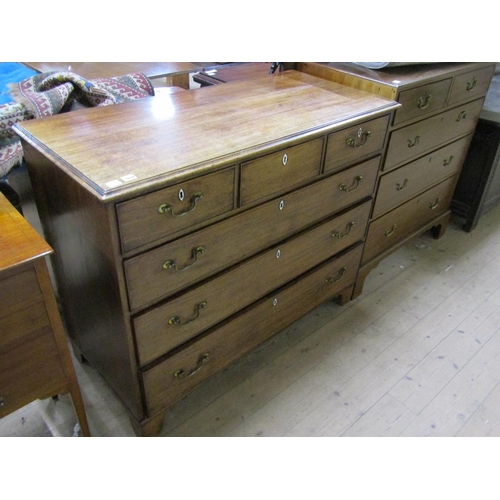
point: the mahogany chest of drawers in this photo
(191, 227)
(429, 138)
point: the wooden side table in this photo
(35, 361)
(231, 73)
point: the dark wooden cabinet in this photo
(478, 187)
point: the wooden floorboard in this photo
(417, 354)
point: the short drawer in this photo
(470, 85)
(278, 171)
(184, 317)
(30, 371)
(355, 142)
(401, 184)
(163, 213)
(161, 272)
(406, 219)
(169, 381)
(422, 137)
(422, 101)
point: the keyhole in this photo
(285, 159)
(282, 204)
(181, 194)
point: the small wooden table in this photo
(176, 73)
(35, 361)
(231, 73)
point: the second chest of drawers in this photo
(428, 143)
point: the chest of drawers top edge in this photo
(183, 132)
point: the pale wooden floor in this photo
(417, 354)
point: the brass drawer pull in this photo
(341, 275)
(175, 320)
(388, 232)
(361, 135)
(400, 187)
(339, 235)
(461, 116)
(434, 204)
(168, 208)
(423, 102)
(171, 264)
(201, 362)
(357, 180)
(471, 85)
(446, 162)
(412, 144)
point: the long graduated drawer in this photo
(420, 138)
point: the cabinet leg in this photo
(149, 428)
(76, 396)
(360, 281)
(78, 354)
(440, 228)
(345, 296)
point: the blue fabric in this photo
(12, 72)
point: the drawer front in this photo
(404, 183)
(184, 317)
(28, 372)
(22, 325)
(355, 142)
(22, 309)
(420, 138)
(470, 85)
(13, 291)
(278, 171)
(406, 219)
(159, 215)
(169, 381)
(167, 269)
(422, 101)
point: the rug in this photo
(47, 94)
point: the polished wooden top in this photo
(93, 70)
(116, 150)
(19, 242)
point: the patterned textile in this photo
(11, 151)
(47, 94)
